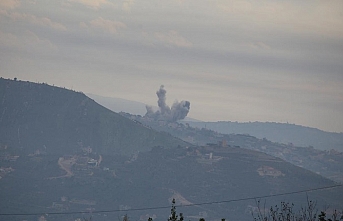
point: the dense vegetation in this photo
(284, 212)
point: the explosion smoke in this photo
(178, 111)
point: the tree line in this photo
(283, 212)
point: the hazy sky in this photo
(234, 60)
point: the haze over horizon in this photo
(274, 61)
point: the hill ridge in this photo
(71, 119)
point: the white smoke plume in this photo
(178, 111)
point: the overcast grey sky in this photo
(234, 60)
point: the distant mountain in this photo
(279, 132)
(63, 157)
(122, 105)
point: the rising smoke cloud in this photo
(178, 111)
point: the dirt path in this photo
(65, 164)
(99, 161)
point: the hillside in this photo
(39, 117)
(63, 157)
(326, 163)
(152, 179)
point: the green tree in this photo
(173, 215)
(285, 212)
(125, 218)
